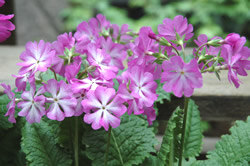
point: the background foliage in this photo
(211, 17)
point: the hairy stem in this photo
(54, 73)
(108, 144)
(76, 148)
(175, 50)
(118, 150)
(183, 51)
(198, 50)
(183, 130)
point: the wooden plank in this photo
(212, 108)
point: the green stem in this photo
(54, 73)
(108, 144)
(183, 130)
(118, 150)
(183, 51)
(76, 148)
(175, 50)
(197, 52)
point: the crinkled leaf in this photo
(170, 146)
(39, 145)
(231, 150)
(193, 131)
(132, 142)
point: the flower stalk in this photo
(186, 100)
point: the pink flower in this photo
(181, 77)
(22, 79)
(6, 26)
(62, 101)
(87, 32)
(144, 46)
(235, 41)
(231, 60)
(72, 69)
(150, 113)
(79, 97)
(11, 106)
(104, 24)
(202, 39)
(132, 101)
(32, 104)
(121, 34)
(116, 51)
(36, 57)
(179, 25)
(97, 57)
(103, 108)
(2, 2)
(142, 86)
(89, 83)
(63, 41)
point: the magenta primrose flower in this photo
(116, 51)
(36, 57)
(12, 104)
(32, 106)
(142, 86)
(6, 26)
(89, 83)
(64, 41)
(2, 2)
(179, 25)
(62, 101)
(181, 77)
(98, 58)
(103, 108)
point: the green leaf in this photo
(193, 131)
(130, 143)
(170, 146)
(39, 145)
(231, 150)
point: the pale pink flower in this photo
(79, 97)
(235, 41)
(132, 101)
(32, 106)
(22, 79)
(6, 26)
(230, 61)
(121, 33)
(62, 101)
(11, 106)
(142, 86)
(181, 77)
(64, 41)
(2, 2)
(179, 25)
(98, 58)
(36, 57)
(103, 108)
(116, 51)
(89, 83)
(150, 113)
(72, 69)
(86, 32)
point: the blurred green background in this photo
(211, 17)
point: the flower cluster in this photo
(85, 67)
(5, 25)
